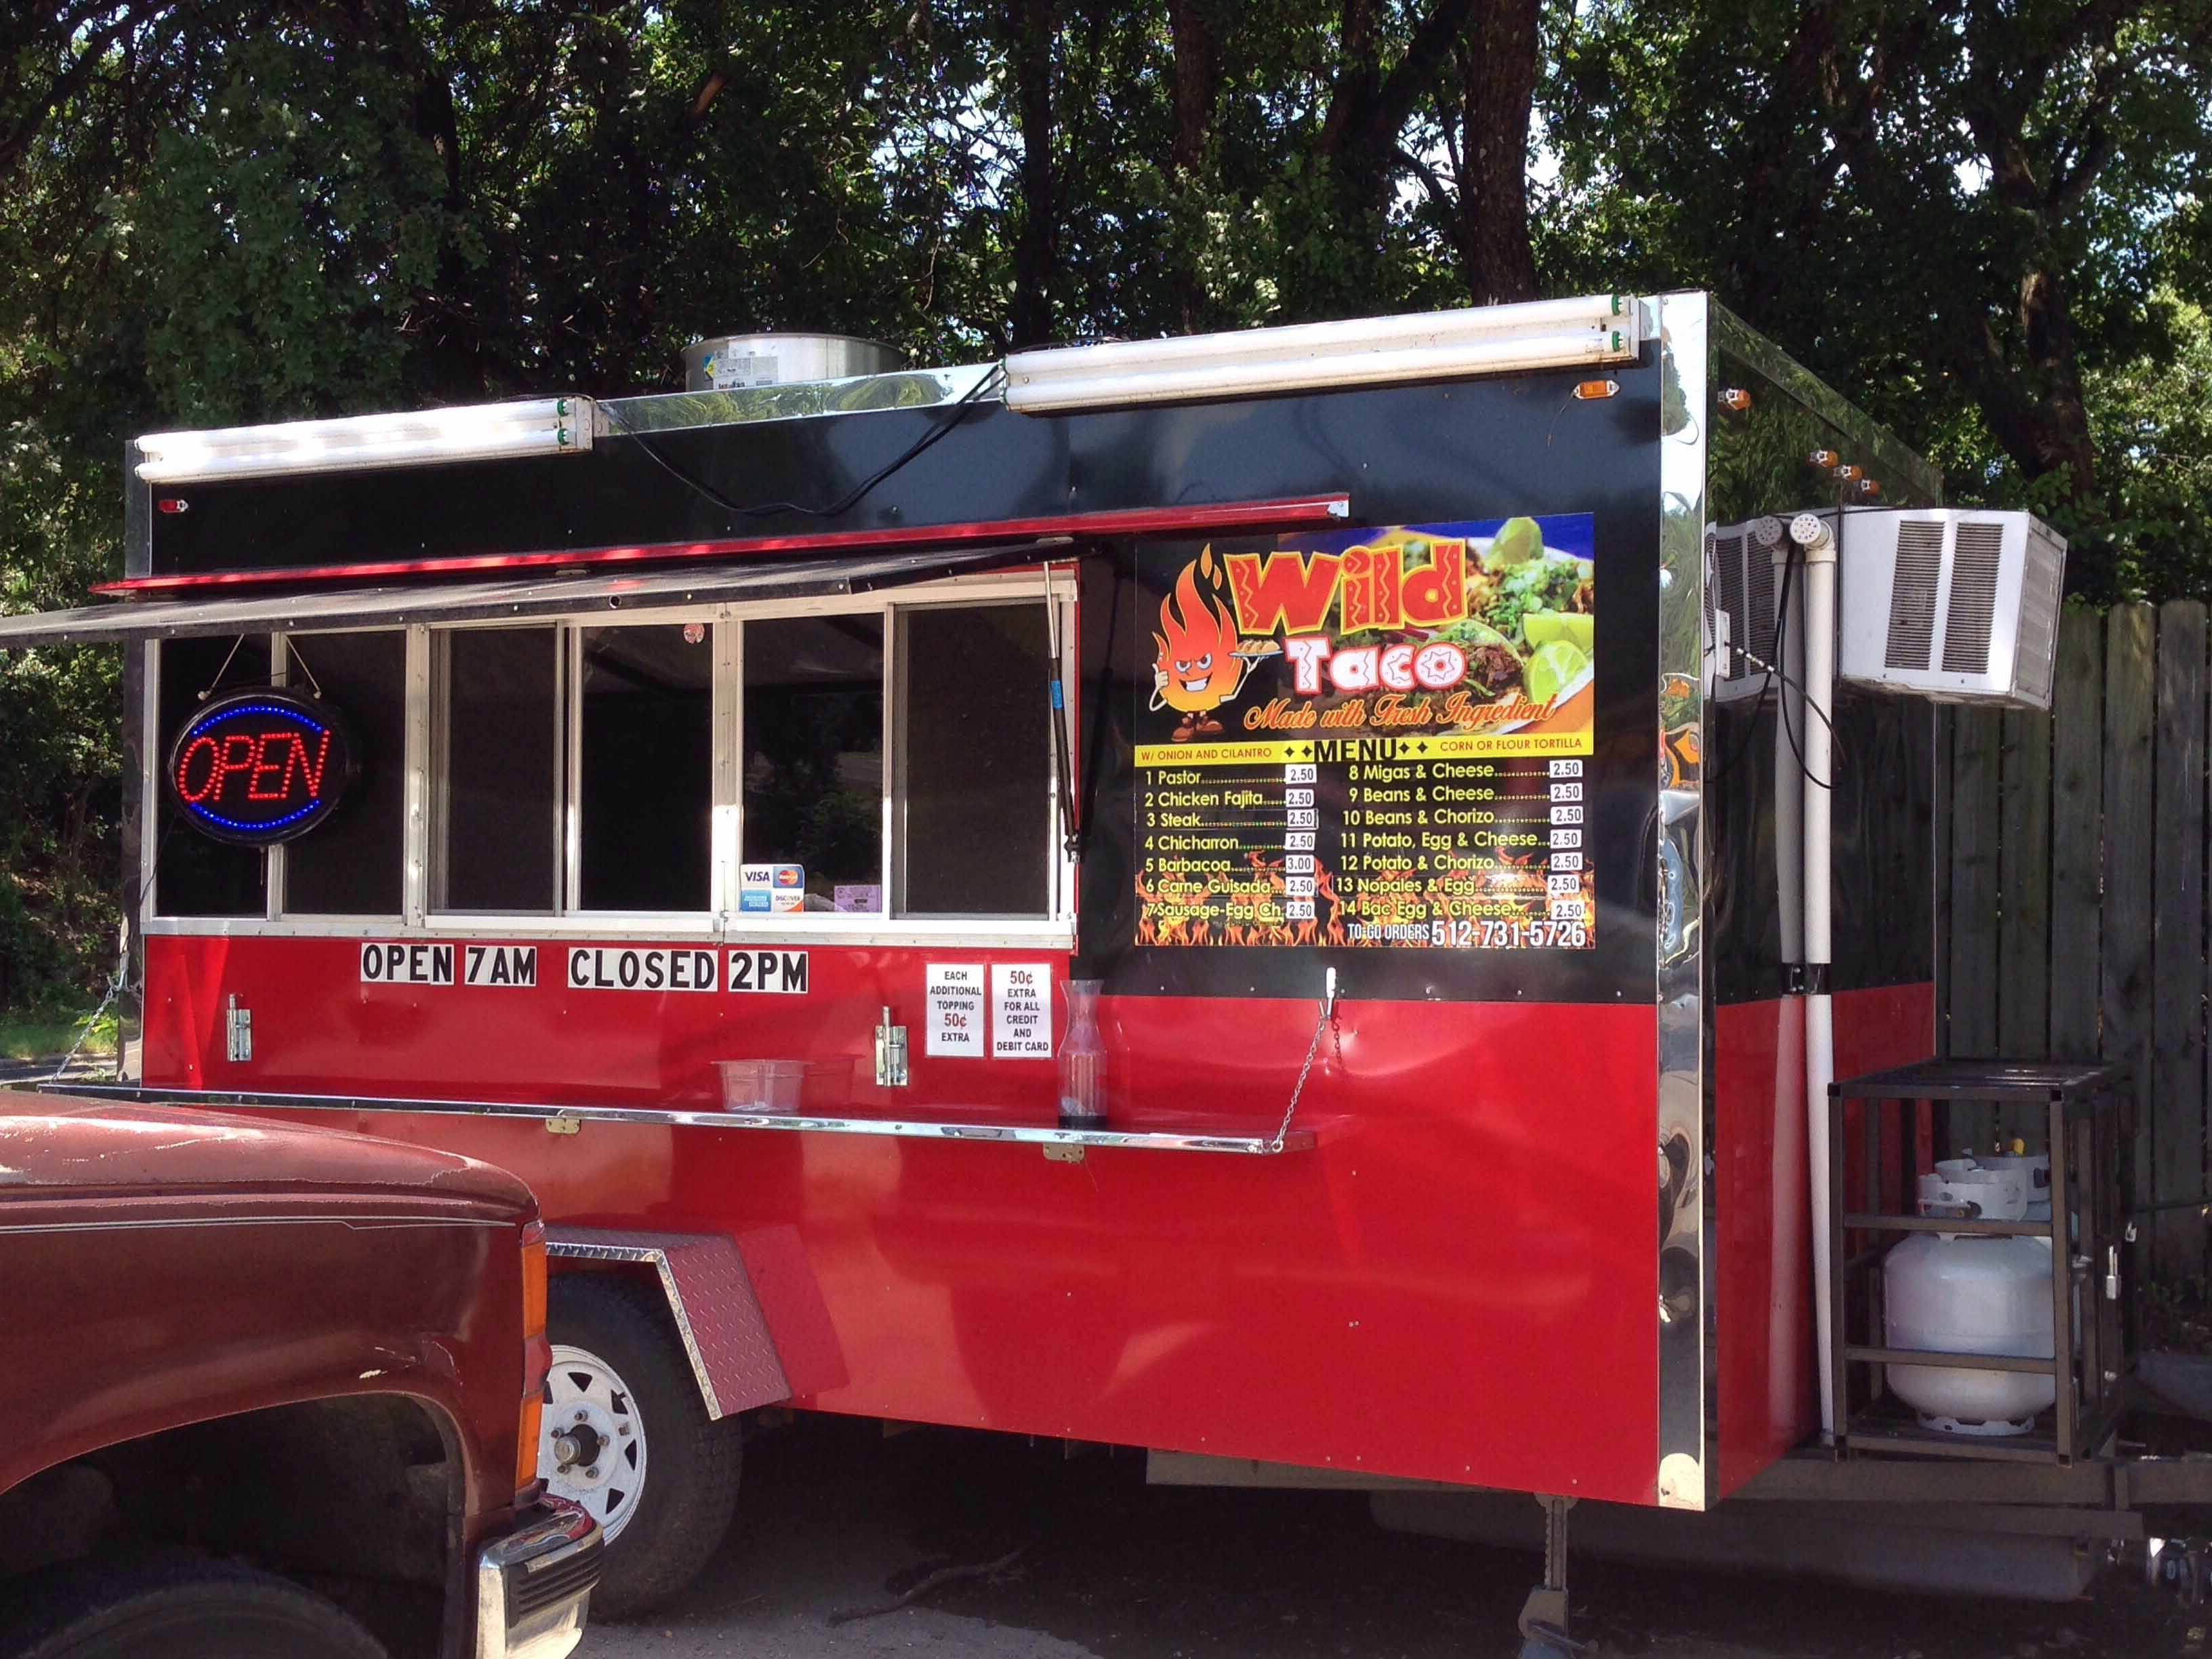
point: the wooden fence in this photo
(2070, 891)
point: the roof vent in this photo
(731, 363)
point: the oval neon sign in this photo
(261, 767)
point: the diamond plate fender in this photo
(710, 1297)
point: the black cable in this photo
(1781, 635)
(960, 406)
(1750, 726)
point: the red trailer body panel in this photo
(1455, 1285)
(1763, 1275)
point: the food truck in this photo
(1296, 899)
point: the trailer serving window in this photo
(865, 766)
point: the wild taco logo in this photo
(1201, 658)
(1451, 629)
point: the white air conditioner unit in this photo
(1955, 603)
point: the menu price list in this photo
(1420, 843)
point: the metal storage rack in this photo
(2091, 1121)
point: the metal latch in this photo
(237, 1031)
(891, 1055)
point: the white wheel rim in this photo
(591, 1415)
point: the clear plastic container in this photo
(784, 1085)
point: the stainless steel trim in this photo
(563, 1531)
(137, 514)
(273, 864)
(415, 824)
(673, 411)
(726, 832)
(1896, 460)
(1261, 1145)
(568, 745)
(572, 1248)
(141, 840)
(1685, 1476)
(708, 1117)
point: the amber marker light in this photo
(1735, 399)
(1847, 473)
(1591, 391)
(1823, 458)
(536, 1357)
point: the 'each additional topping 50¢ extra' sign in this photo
(260, 767)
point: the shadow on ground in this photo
(836, 1519)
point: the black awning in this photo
(487, 601)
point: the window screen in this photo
(350, 866)
(975, 761)
(499, 764)
(195, 875)
(645, 797)
(814, 758)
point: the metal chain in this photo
(1313, 1048)
(84, 1026)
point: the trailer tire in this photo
(617, 1362)
(162, 1606)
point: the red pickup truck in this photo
(271, 1393)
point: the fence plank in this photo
(2077, 781)
(2125, 1003)
(2024, 898)
(2178, 1068)
(1974, 825)
(1942, 828)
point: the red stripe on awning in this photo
(1292, 513)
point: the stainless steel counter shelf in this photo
(1048, 1136)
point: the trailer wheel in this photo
(627, 1435)
(161, 1608)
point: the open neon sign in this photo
(261, 767)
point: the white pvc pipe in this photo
(1813, 535)
(1790, 1211)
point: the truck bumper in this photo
(534, 1582)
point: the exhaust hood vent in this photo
(736, 362)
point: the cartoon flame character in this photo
(1201, 662)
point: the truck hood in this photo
(59, 1141)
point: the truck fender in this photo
(711, 1301)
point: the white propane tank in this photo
(1950, 1293)
(2036, 1168)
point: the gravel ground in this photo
(836, 1520)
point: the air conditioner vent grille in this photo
(1976, 564)
(1727, 554)
(1912, 597)
(2039, 600)
(1759, 583)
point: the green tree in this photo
(1961, 211)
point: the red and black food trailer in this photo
(1476, 770)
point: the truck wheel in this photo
(627, 1435)
(168, 1608)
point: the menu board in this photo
(1372, 738)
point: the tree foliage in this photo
(1984, 218)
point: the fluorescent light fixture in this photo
(540, 425)
(1362, 351)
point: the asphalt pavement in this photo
(838, 1523)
